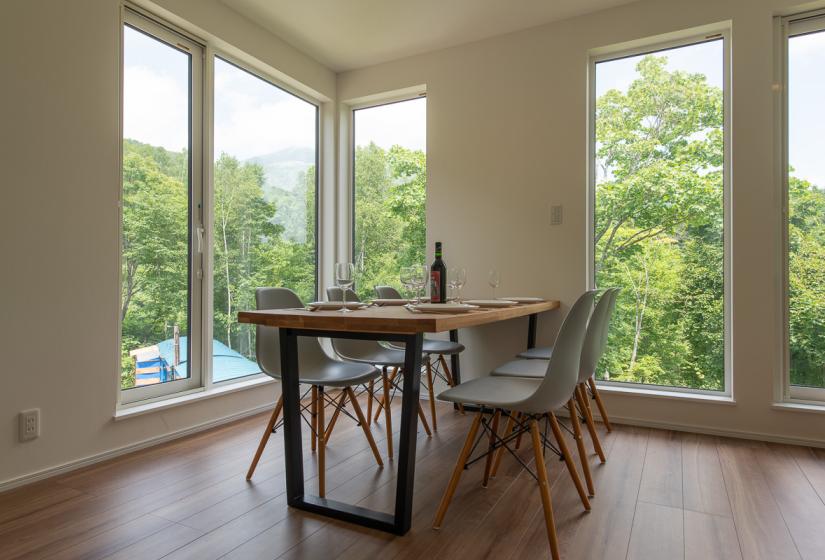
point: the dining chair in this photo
(543, 353)
(382, 355)
(533, 400)
(317, 370)
(434, 351)
(594, 344)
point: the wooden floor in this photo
(661, 495)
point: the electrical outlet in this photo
(29, 424)
(556, 215)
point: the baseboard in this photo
(106, 455)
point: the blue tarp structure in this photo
(226, 363)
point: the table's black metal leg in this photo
(409, 434)
(293, 449)
(531, 330)
(455, 362)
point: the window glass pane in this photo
(659, 226)
(390, 178)
(806, 198)
(155, 228)
(264, 213)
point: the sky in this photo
(253, 117)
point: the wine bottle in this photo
(438, 277)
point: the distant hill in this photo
(283, 168)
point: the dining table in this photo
(394, 324)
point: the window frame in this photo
(790, 26)
(652, 46)
(195, 352)
(382, 100)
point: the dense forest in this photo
(658, 231)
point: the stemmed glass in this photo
(344, 277)
(406, 277)
(494, 280)
(457, 277)
(420, 275)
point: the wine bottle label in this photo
(435, 286)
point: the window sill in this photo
(662, 394)
(791, 406)
(137, 409)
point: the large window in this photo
(160, 264)
(390, 191)
(264, 206)
(258, 205)
(805, 49)
(658, 172)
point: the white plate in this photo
(327, 305)
(391, 301)
(444, 307)
(524, 299)
(491, 302)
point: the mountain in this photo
(283, 169)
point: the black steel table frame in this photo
(397, 523)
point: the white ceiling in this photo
(347, 34)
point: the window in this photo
(389, 191)
(160, 264)
(659, 201)
(805, 203)
(181, 284)
(264, 206)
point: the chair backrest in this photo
(334, 293)
(595, 340)
(387, 292)
(267, 341)
(563, 368)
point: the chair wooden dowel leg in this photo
(577, 434)
(321, 445)
(488, 464)
(431, 394)
(581, 399)
(602, 410)
(424, 420)
(370, 393)
(449, 375)
(313, 414)
(338, 407)
(360, 415)
(568, 460)
(386, 395)
(511, 420)
(387, 414)
(457, 470)
(265, 438)
(544, 489)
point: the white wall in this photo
(59, 154)
(507, 136)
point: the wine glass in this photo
(344, 277)
(458, 277)
(494, 280)
(406, 277)
(421, 274)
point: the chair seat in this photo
(444, 347)
(379, 356)
(337, 374)
(533, 369)
(543, 353)
(495, 392)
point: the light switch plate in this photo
(556, 215)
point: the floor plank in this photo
(710, 537)
(703, 484)
(658, 532)
(662, 475)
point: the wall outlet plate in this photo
(29, 422)
(556, 214)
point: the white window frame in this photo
(683, 39)
(209, 202)
(348, 128)
(790, 26)
(195, 353)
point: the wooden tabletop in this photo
(389, 319)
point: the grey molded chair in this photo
(389, 359)
(534, 400)
(315, 369)
(432, 348)
(594, 344)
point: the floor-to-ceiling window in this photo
(389, 191)
(659, 183)
(805, 256)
